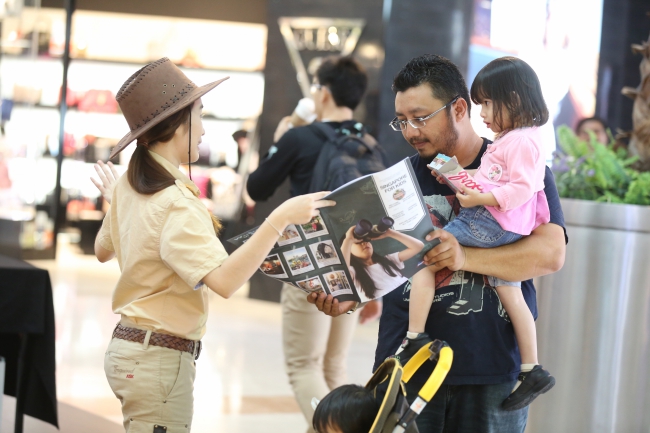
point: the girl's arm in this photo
(346, 246)
(413, 246)
(524, 162)
(108, 176)
(242, 264)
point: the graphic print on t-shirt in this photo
(468, 286)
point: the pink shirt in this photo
(512, 168)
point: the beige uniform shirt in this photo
(165, 244)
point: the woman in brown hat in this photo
(166, 245)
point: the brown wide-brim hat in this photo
(154, 93)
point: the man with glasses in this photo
(315, 346)
(432, 108)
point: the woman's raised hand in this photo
(301, 209)
(108, 176)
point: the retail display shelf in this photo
(130, 63)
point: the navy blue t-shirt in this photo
(466, 311)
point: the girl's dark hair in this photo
(367, 284)
(350, 408)
(512, 85)
(145, 175)
(321, 249)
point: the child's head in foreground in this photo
(347, 409)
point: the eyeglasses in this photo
(418, 122)
(316, 86)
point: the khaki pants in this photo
(154, 385)
(315, 348)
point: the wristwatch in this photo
(353, 309)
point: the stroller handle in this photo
(445, 355)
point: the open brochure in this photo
(386, 221)
(452, 173)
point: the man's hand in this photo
(448, 254)
(329, 305)
(370, 312)
(108, 176)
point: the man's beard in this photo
(447, 140)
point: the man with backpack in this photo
(321, 156)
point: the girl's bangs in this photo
(478, 93)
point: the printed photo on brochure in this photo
(289, 235)
(310, 285)
(272, 266)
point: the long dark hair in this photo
(367, 284)
(349, 408)
(145, 175)
(148, 177)
(321, 249)
(512, 85)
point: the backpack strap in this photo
(338, 143)
(319, 171)
(351, 143)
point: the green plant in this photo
(594, 171)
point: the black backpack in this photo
(346, 155)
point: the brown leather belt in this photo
(157, 339)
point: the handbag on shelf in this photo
(98, 101)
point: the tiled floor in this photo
(241, 386)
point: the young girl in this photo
(511, 205)
(166, 245)
(375, 274)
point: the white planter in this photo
(594, 324)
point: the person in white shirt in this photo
(373, 273)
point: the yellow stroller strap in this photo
(445, 357)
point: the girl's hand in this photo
(473, 197)
(301, 209)
(469, 197)
(388, 233)
(108, 176)
(349, 235)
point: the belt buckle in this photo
(198, 350)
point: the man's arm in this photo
(274, 168)
(539, 254)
